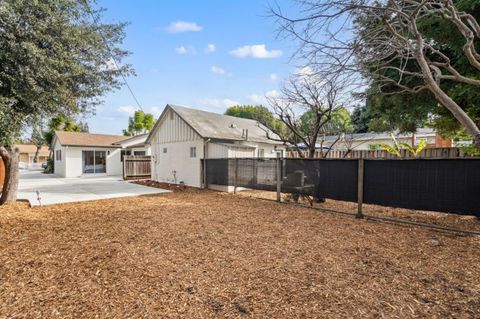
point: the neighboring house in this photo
(77, 153)
(27, 154)
(369, 141)
(134, 145)
(182, 137)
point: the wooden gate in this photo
(136, 167)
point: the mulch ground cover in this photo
(202, 254)
(465, 222)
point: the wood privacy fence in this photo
(137, 167)
(441, 152)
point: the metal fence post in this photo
(279, 176)
(235, 176)
(361, 169)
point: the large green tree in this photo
(62, 123)
(340, 122)
(139, 123)
(55, 58)
(259, 113)
(401, 48)
(407, 111)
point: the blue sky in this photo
(204, 54)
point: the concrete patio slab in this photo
(57, 190)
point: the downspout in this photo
(205, 148)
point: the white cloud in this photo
(256, 98)
(210, 48)
(263, 98)
(129, 109)
(181, 50)
(183, 26)
(186, 50)
(219, 70)
(255, 51)
(273, 77)
(217, 103)
(272, 93)
(304, 71)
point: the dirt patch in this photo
(202, 254)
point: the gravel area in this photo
(203, 254)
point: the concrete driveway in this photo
(56, 190)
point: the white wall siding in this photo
(176, 165)
(217, 150)
(59, 166)
(239, 152)
(174, 129)
(72, 161)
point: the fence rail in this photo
(136, 167)
(444, 185)
(437, 152)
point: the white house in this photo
(80, 154)
(183, 136)
(134, 145)
(371, 140)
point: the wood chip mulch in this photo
(465, 222)
(203, 254)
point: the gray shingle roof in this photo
(219, 126)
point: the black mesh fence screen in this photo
(335, 179)
(446, 185)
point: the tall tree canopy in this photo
(259, 113)
(62, 123)
(407, 111)
(55, 58)
(139, 123)
(398, 47)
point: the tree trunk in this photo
(10, 159)
(35, 157)
(458, 113)
(446, 100)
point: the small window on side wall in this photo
(193, 152)
(164, 150)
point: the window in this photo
(94, 162)
(193, 152)
(58, 155)
(261, 153)
(164, 150)
(140, 153)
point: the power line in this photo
(111, 54)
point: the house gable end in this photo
(171, 128)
